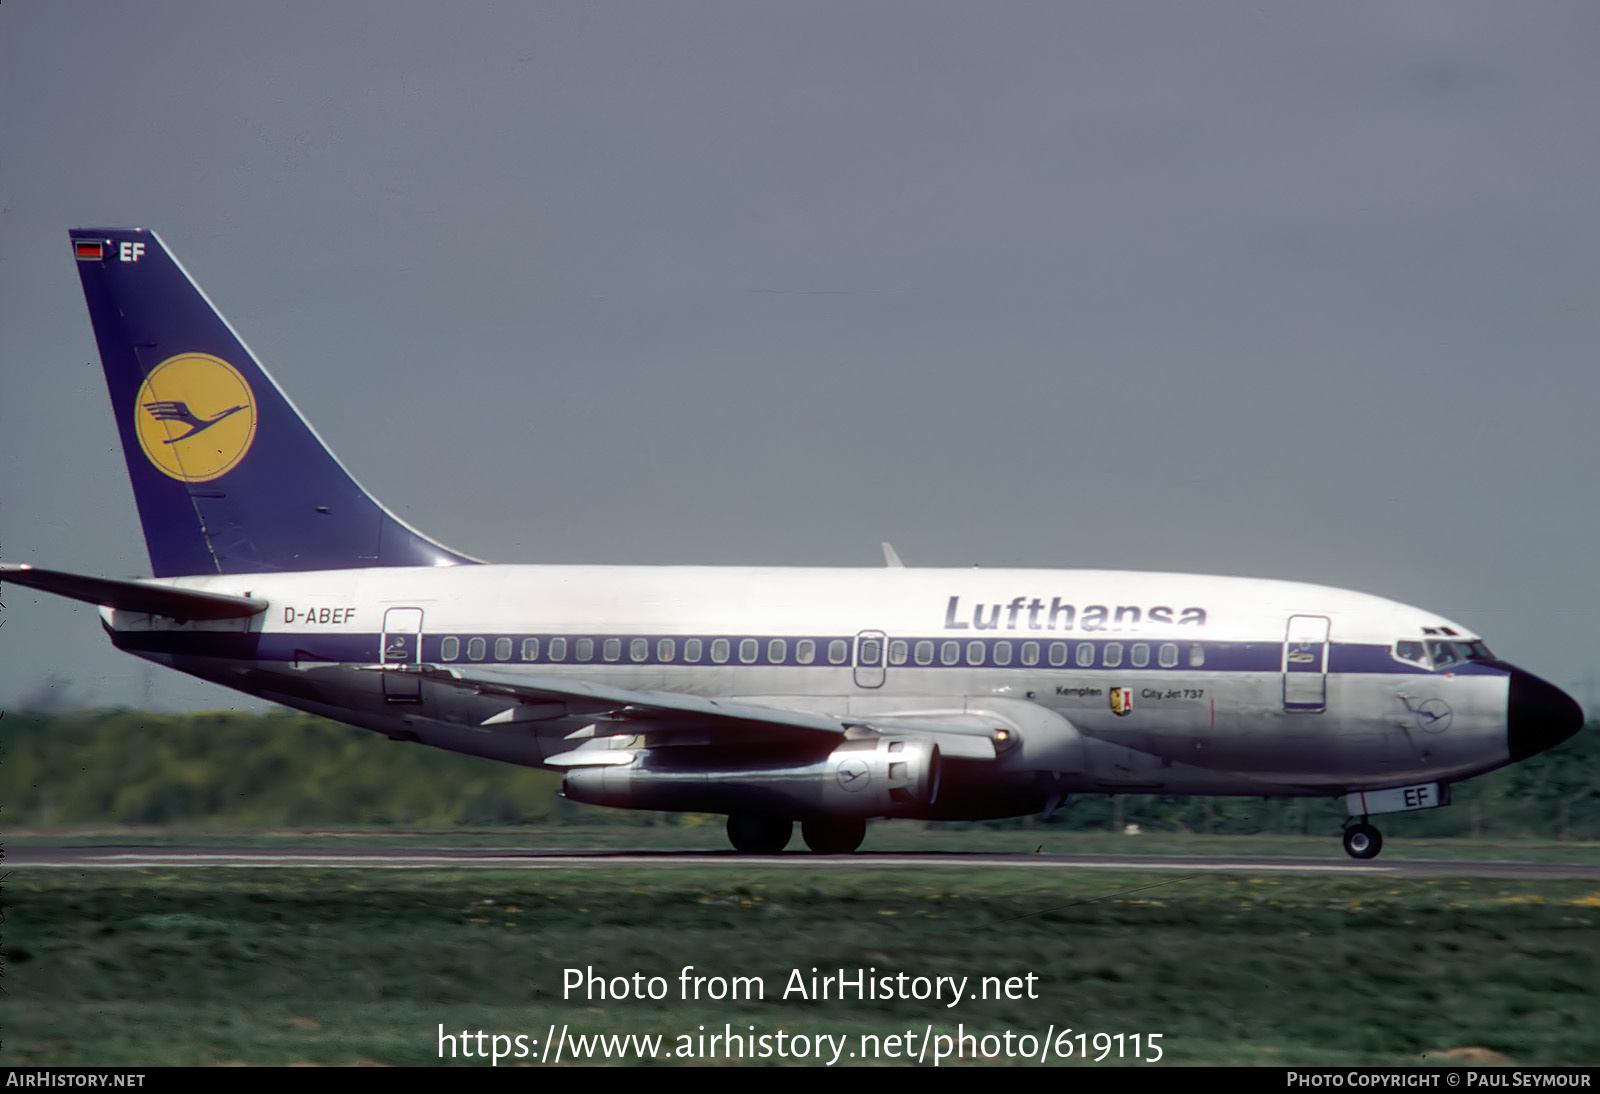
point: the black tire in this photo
(1362, 841)
(756, 834)
(834, 835)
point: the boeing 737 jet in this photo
(823, 696)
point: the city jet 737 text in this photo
(824, 696)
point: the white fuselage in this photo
(1174, 683)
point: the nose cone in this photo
(1538, 716)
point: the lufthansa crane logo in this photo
(853, 774)
(1434, 716)
(195, 416)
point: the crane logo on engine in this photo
(853, 774)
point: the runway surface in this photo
(433, 858)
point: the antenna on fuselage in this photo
(890, 558)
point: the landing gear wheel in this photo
(834, 835)
(1362, 841)
(755, 834)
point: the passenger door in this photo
(1305, 664)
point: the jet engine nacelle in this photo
(870, 777)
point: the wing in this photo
(650, 719)
(667, 717)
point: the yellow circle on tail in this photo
(195, 416)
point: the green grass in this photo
(205, 966)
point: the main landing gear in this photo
(1362, 840)
(755, 834)
(834, 835)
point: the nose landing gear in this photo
(1362, 840)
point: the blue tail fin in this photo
(228, 476)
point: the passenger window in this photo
(1030, 653)
(558, 649)
(1139, 656)
(950, 652)
(693, 650)
(1197, 655)
(1085, 654)
(805, 651)
(1058, 654)
(1169, 655)
(666, 649)
(1113, 655)
(639, 649)
(899, 651)
(777, 651)
(502, 649)
(585, 649)
(719, 651)
(1002, 653)
(530, 649)
(974, 653)
(838, 651)
(612, 649)
(476, 648)
(924, 653)
(450, 648)
(749, 650)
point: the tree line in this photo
(230, 769)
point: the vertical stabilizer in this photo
(229, 478)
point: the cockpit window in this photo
(1410, 651)
(1436, 654)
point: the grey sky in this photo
(1293, 290)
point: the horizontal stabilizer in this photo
(135, 596)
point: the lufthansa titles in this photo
(1024, 613)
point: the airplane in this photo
(824, 696)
